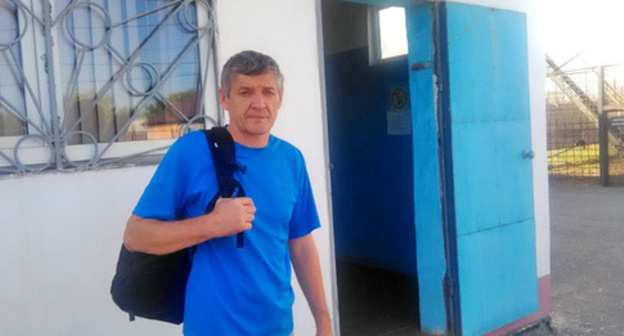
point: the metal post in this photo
(49, 65)
(603, 131)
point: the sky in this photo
(594, 27)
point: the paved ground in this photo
(587, 237)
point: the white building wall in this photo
(537, 75)
(60, 233)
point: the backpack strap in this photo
(223, 153)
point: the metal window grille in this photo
(90, 83)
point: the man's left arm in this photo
(307, 267)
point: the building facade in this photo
(93, 92)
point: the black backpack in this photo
(154, 286)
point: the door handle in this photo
(528, 154)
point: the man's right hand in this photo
(231, 216)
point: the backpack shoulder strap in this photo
(223, 154)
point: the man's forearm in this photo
(161, 237)
(306, 263)
(230, 216)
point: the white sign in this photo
(399, 122)
(617, 122)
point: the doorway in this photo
(427, 215)
(371, 155)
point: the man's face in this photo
(252, 102)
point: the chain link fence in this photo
(574, 118)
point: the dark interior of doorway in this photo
(372, 181)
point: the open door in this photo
(478, 63)
(469, 156)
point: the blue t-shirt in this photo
(231, 290)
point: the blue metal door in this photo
(473, 188)
(484, 114)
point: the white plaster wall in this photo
(60, 235)
(537, 75)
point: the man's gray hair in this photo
(250, 63)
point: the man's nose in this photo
(258, 101)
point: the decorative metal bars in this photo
(89, 83)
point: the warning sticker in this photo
(398, 98)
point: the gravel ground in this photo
(587, 251)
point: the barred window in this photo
(90, 83)
(11, 95)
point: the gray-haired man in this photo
(238, 291)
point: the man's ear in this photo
(281, 99)
(223, 99)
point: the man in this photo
(231, 290)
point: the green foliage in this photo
(159, 106)
(578, 161)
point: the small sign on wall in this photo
(399, 117)
(617, 122)
(399, 122)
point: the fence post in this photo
(603, 131)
